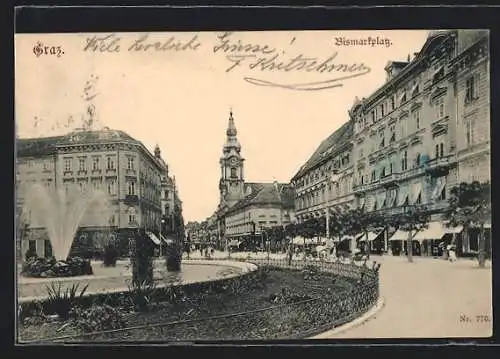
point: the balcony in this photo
(440, 166)
(414, 172)
(130, 172)
(67, 173)
(358, 189)
(389, 180)
(131, 199)
(81, 173)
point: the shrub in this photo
(43, 267)
(141, 294)
(97, 318)
(62, 301)
(110, 255)
(30, 253)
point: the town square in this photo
(207, 205)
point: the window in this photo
(233, 172)
(392, 130)
(393, 103)
(373, 116)
(417, 160)
(403, 98)
(419, 199)
(403, 126)
(442, 195)
(439, 150)
(404, 161)
(391, 168)
(81, 164)
(45, 166)
(416, 119)
(131, 163)
(470, 131)
(382, 109)
(472, 86)
(111, 163)
(111, 187)
(374, 176)
(95, 163)
(382, 140)
(67, 164)
(440, 110)
(131, 215)
(382, 173)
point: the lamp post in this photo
(161, 240)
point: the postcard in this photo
(270, 185)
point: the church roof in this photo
(328, 147)
(267, 193)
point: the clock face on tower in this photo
(233, 161)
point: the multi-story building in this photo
(324, 184)
(247, 209)
(110, 161)
(424, 130)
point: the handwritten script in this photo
(257, 58)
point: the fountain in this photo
(60, 211)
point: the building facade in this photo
(84, 163)
(248, 209)
(414, 138)
(426, 129)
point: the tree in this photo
(358, 221)
(470, 206)
(412, 220)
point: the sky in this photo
(180, 99)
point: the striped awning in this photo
(402, 195)
(170, 241)
(434, 231)
(399, 235)
(154, 238)
(440, 183)
(371, 236)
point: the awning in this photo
(403, 195)
(416, 189)
(399, 235)
(370, 203)
(371, 237)
(234, 243)
(434, 231)
(440, 183)
(170, 241)
(361, 202)
(381, 200)
(346, 238)
(456, 230)
(154, 238)
(392, 194)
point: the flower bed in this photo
(272, 303)
(48, 268)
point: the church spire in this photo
(231, 128)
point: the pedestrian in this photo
(452, 256)
(212, 251)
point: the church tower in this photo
(232, 182)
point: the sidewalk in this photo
(429, 298)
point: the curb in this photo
(370, 314)
(245, 268)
